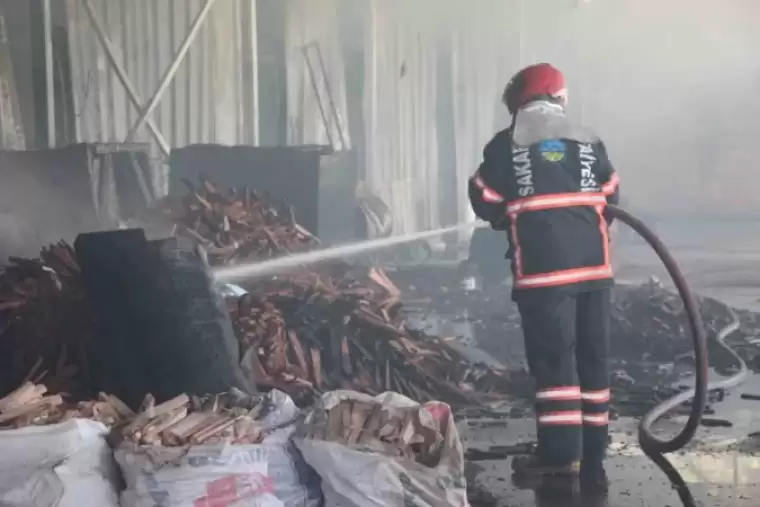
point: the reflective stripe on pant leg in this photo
(596, 407)
(559, 425)
(559, 406)
(593, 371)
(549, 330)
(595, 425)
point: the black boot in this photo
(530, 473)
(593, 479)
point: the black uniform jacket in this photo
(550, 197)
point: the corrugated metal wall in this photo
(402, 101)
(400, 113)
(317, 110)
(399, 98)
(650, 77)
(486, 48)
(205, 100)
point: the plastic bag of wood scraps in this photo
(386, 450)
(295, 483)
(178, 457)
(52, 455)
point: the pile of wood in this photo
(45, 321)
(318, 328)
(303, 340)
(184, 421)
(31, 405)
(234, 226)
(393, 431)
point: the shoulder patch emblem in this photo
(552, 150)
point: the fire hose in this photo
(654, 447)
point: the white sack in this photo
(270, 474)
(353, 477)
(202, 476)
(62, 465)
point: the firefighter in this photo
(546, 182)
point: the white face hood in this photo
(544, 120)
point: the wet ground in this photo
(722, 465)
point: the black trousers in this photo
(567, 346)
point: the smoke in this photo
(17, 237)
(45, 197)
(672, 88)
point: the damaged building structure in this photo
(256, 129)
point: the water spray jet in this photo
(271, 267)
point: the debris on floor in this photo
(650, 347)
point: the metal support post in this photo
(122, 75)
(251, 67)
(49, 77)
(171, 71)
(330, 99)
(317, 97)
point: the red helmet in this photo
(532, 82)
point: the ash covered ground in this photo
(650, 345)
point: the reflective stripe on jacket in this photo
(550, 197)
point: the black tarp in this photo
(162, 326)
